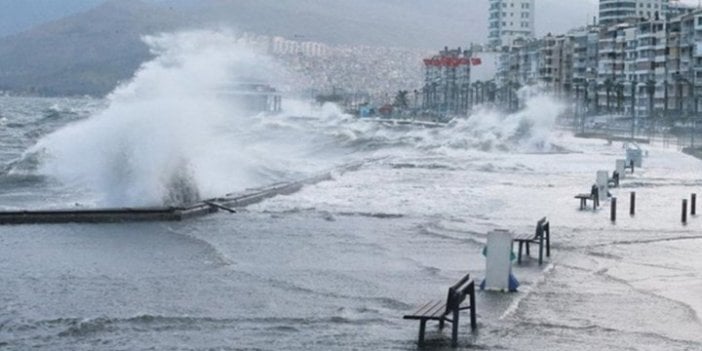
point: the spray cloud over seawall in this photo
(168, 137)
(487, 129)
(526, 130)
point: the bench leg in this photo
(548, 243)
(519, 255)
(454, 325)
(528, 251)
(422, 327)
(441, 324)
(471, 294)
(541, 249)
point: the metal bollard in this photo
(632, 204)
(693, 205)
(613, 210)
(684, 211)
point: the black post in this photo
(613, 208)
(684, 211)
(632, 204)
(693, 205)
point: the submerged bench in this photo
(448, 311)
(614, 181)
(594, 196)
(542, 237)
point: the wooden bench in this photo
(448, 311)
(614, 181)
(541, 237)
(594, 195)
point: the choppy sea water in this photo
(336, 265)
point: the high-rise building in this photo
(510, 20)
(677, 8)
(617, 11)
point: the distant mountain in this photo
(19, 15)
(87, 53)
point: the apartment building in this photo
(613, 12)
(510, 20)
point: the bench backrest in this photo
(595, 191)
(541, 226)
(457, 293)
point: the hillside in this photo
(87, 53)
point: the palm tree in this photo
(515, 86)
(620, 96)
(478, 92)
(651, 90)
(491, 90)
(401, 99)
(608, 86)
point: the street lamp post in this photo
(633, 109)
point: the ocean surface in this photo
(336, 265)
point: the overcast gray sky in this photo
(554, 16)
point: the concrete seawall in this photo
(168, 214)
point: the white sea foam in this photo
(168, 137)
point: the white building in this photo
(510, 20)
(616, 11)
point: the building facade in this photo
(677, 9)
(613, 12)
(447, 81)
(510, 20)
(650, 68)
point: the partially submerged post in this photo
(613, 210)
(632, 204)
(684, 211)
(693, 205)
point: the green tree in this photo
(402, 99)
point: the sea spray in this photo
(487, 128)
(167, 137)
(527, 129)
